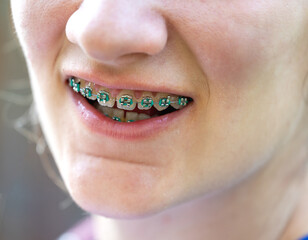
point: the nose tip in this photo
(108, 31)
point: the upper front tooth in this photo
(126, 100)
(162, 101)
(146, 101)
(104, 98)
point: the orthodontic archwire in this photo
(125, 100)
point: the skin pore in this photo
(234, 167)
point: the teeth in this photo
(75, 84)
(106, 110)
(146, 101)
(125, 100)
(178, 102)
(131, 116)
(113, 113)
(117, 114)
(104, 99)
(162, 101)
(142, 116)
(87, 91)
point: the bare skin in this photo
(234, 167)
(271, 204)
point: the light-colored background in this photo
(31, 205)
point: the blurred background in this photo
(31, 205)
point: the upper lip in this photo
(124, 82)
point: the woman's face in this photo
(242, 62)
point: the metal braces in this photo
(126, 100)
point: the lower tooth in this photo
(142, 116)
(118, 114)
(106, 110)
(131, 116)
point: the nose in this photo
(108, 30)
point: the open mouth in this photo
(128, 105)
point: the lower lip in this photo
(100, 124)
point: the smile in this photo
(128, 105)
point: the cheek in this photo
(232, 39)
(40, 26)
(245, 52)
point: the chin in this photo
(116, 203)
(115, 189)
